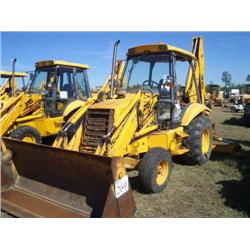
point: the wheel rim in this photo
(29, 138)
(205, 141)
(162, 172)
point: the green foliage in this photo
(226, 78)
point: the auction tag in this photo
(121, 186)
(63, 94)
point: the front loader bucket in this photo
(52, 182)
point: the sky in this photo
(224, 51)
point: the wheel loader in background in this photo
(140, 121)
(57, 89)
(214, 96)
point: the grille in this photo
(97, 123)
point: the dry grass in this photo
(220, 188)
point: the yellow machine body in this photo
(125, 128)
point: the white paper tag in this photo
(121, 186)
(63, 94)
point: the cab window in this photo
(66, 83)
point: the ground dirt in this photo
(220, 188)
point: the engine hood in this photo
(118, 105)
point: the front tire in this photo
(155, 170)
(200, 140)
(27, 134)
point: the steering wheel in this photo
(151, 83)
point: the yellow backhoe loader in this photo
(57, 89)
(140, 121)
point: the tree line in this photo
(227, 79)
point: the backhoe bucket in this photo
(52, 182)
(225, 146)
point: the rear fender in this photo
(72, 106)
(192, 111)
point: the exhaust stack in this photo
(113, 68)
(13, 92)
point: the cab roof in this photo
(159, 48)
(49, 63)
(7, 74)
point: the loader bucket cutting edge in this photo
(53, 182)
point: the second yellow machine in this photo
(57, 89)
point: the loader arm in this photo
(122, 131)
(67, 138)
(16, 107)
(129, 126)
(8, 119)
(5, 88)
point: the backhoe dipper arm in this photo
(197, 72)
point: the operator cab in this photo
(152, 69)
(60, 82)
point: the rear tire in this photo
(155, 170)
(200, 140)
(27, 133)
